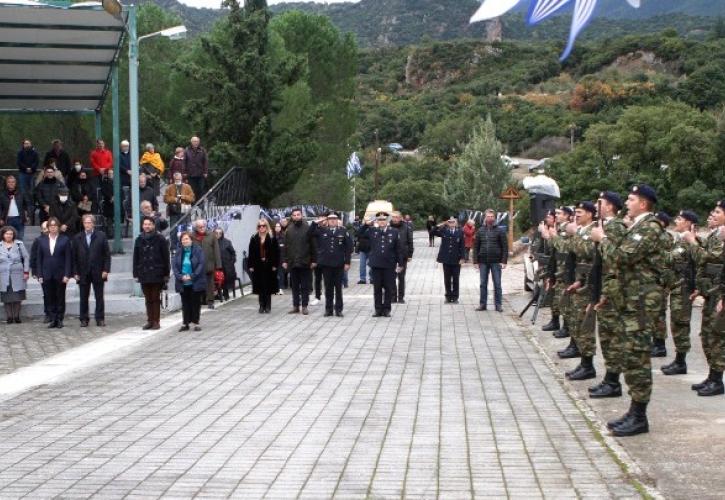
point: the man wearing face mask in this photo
(178, 197)
(46, 192)
(66, 212)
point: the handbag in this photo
(219, 277)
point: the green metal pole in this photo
(133, 118)
(117, 199)
(98, 124)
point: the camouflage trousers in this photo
(712, 335)
(660, 332)
(556, 309)
(636, 344)
(680, 314)
(609, 325)
(586, 340)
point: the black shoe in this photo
(401, 301)
(658, 351)
(377, 314)
(712, 388)
(184, 328)
(52, 324)
(339, 314)
(197, 328)
(47, 319)
(59, 324)
(211, 306)
(294, 310)
(499, 309)
(631, 426)
(147, 326)
(481, 308)
(570, 352)
(561, 333)
(10, 321)
(327, 314)
(697, 387)
(675, 368)
(386, 314)
(394, 301)
(361, 282)
(552, 325)
(84, 323)
(618, 421)
(17, 320)
(454, 301)
(261, 309)
(606, 390)
(583, 373)
(100, 323)
(268, 310)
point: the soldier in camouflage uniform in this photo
(637, 260)
(681, 262)
(709, 258)
(562, 275)
(546, 258)
(605, 284)
(582, 246)
(668, 280)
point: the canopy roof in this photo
(56, 58)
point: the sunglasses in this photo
(260, 226)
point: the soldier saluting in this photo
(334, 248)
(638, 260)
(385, 258)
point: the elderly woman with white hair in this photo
(152, 165)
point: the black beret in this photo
(566, 209)
(664, 218)
(645, 191)
(690, 216)
(612, 198)
(588, 206)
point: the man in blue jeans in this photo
(490, 254)
(363, 247)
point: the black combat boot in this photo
(584, 371)
(658, 349)
(562, 332)
(552, 325)
(609, 388)
(635, 422)
(572, 351)
(714, 386)
(677, 367)
(697, 387)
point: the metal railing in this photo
(232, 189)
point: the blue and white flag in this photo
(354, 167)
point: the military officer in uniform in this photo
(563, 274)
(386, 257)
(709, 258)
(638, 260)
(667, 280)
(605, 298)
(545, 256)
(334, 249)
(451, 255)
(680, 261)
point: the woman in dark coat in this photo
(229, 260)
(263, 261)
(190, 280)
(151, 267)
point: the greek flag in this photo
(353, 167)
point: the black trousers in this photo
(399, 285)
(299, 278)
(85, 291)
(451, 274)
(197, 185)
(318, 282)
(265, 300)
(190, 305)
(333, 287)
(383, 286)
(54, 291)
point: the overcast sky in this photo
(216, 3)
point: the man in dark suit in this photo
(386, 257)
(55, 268)
(451, 254)
(92, 263)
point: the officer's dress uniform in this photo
(386, 253)
(450, 254)
(334, 249)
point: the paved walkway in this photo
(438, 401)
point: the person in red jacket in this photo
(469, 234)
(101, 158)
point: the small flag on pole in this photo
(354, 167)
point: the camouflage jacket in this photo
(708, 255)
(564, 260)
(615, 230)
(681, 266)
(583, 249)
(638, 261)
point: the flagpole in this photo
(354, 211)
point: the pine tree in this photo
(478, 177)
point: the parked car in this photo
(394, 147)
(510, 162)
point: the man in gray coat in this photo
(212, 257)
(298, 255)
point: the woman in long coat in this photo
(229, 259)
(262, 262)
(14, 272)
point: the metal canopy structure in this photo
(56, 58)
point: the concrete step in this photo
(118, 283)
(115, 304)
